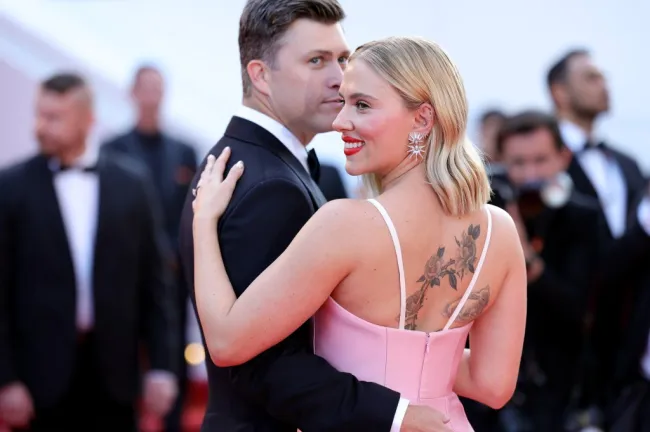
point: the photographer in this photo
(560, 232)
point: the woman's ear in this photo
(424, 119)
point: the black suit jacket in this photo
(179, 162)
(634, 181)
(558, 299)
(287, 386)
(620, 272)
(37, 283)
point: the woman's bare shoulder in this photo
(505, 238)
(346, 219)
(348, 208)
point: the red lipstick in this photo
(352, 145)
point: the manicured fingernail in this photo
(240, 165)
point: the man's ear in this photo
(258, 73)
(559, 95)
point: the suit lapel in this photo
(171, 162)
(50, 215)
(632, 183)
(580, 179)
(252, 133)
(108, 201)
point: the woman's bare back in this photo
(440, 255)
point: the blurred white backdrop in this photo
(503, 48)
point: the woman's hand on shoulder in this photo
(213, 192)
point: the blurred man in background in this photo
(82, 280)
(171, 164)
(559, 230)
(580, 95)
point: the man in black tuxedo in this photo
(171, 165)
(292, 57)
(560, 238)
(82, 280)
(580, 95)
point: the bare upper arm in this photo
(295, 286)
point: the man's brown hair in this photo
(264, 22)
(527, 122)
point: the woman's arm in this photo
(283, 297)
(489, 369)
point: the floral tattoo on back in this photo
(439, 267)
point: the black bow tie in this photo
(313, 164)
(57, 167)
(600, 145)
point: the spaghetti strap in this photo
(400, 262)
(477, 271)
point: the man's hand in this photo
(420, 418)
(160, 391)
(16, 407)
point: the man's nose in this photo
(530, 173)
(335, 76)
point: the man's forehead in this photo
(307, 35)
(583, 63)
(74, 96)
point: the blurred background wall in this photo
(503, 49)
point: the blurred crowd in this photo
(582, 209)
(93, 302)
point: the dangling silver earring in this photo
(415, 148)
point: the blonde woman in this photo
(395, 284)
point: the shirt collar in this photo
(573, 136)
(88, 159)
(278, 130)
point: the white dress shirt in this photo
(604, 174)
(77, 192)
(294, 145)
(607, 178)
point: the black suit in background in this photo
(287, 386)
(96, 374)
(618, 275)
(171, 165)
(552, 364)
(629, 406)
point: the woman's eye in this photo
(362, 105)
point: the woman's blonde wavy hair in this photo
(421, 72)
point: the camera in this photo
(534, 197)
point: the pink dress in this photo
(420, 366)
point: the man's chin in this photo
(47, 150)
